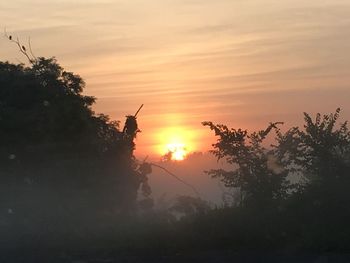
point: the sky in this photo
(242, 63)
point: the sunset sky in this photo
(243, 63)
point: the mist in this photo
(174, 131)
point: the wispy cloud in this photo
(237, 62)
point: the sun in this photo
(175, 141)
(178, 151)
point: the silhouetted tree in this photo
(43, 106)
(59, 161)
(257, 181)
(320, 155)
(320, 152)
(311, 213)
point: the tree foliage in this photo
(294, 193)
(318, 154)
(253, 174)
(42, 106)
(53, 144)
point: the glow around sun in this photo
(176, 140)
(178, 151)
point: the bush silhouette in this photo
(60, 162)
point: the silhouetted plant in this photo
(312, 213)
(320, 152)
(59, 160)
(257, 181)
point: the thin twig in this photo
(177, 178)
(21, 48)
(138, 110)
(30, 49)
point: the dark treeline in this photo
(63, 167)
(69, 180)
(293, 194)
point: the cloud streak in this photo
(197, 60)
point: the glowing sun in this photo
(178, 151)
(175, 141)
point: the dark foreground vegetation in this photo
(69, 184)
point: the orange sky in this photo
(243, 63)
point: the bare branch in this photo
(31, 58)
(30, 49)
(177, 178)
